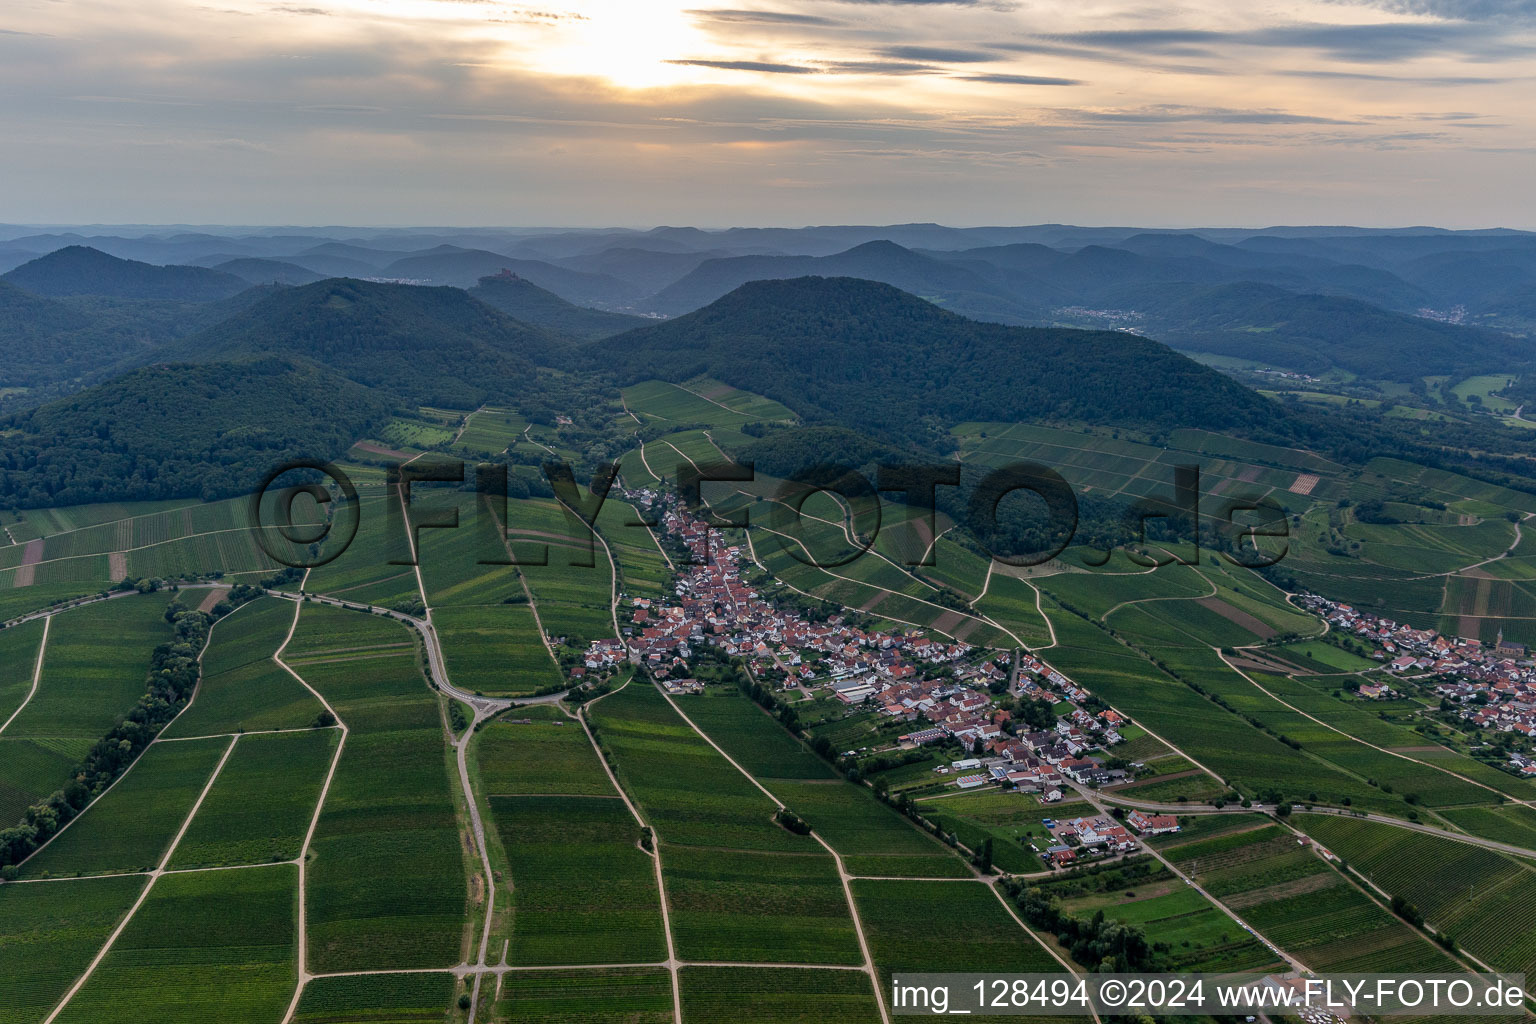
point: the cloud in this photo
(939, 54)
(1378, 43)
(762, 17)
(1391, 41)
(932, 3)
(1179, 114)
(1457, 10)
(1363, 76)
(749, 65)
(876, 67)
(1001, 79)
(1170, 42)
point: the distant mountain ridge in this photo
(80, 270)
(952, 284)
(525, 301)
(1316, 333)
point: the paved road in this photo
(1412, 826)
(437, 670)
(1096, 799)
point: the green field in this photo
(130, 827)
(228, 966)
(260, 806)
(749, 906)
(376, 999)
(242, 688)
(93, 672)
(686, 790)
(616, 995)
(945, 926)
(582, 889)
(1200, 936)
(1300, 903)
(548, 755)
(1011, 820)
(874, 839)
(1479, 897)
(18, 661)
(387, 886)
(725, 995)
(51, 933)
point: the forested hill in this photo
(523, 300)
(1316, 333)
(210, 430)
(885, 362)
(81, 270)
(431, 345)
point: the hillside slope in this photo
(1316, 333)
(173, 431)
(525, 301)
(80, 270)
(887, 363)
(432, 345)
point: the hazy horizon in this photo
(792, 112)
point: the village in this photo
(1493, 686)
(946, 690)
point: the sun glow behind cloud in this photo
(626, 42)
(971, 110)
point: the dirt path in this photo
(314, 820)
(1391, 753)
(37, 673)
(842, 871)
(154, 876)
(672, 963)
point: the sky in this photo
(768, 112)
